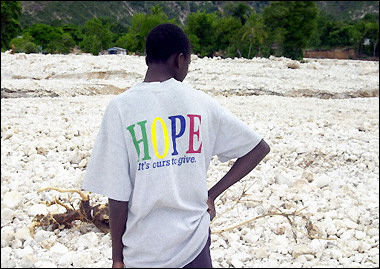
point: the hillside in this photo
(77, 12)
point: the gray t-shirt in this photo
(153, 149)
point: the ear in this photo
(180, 60)
(177, 60)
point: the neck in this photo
(158, 72)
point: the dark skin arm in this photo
(118, 219)
(241, 168)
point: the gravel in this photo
(323, 162)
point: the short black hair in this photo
(165, 40)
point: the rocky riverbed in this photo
(312, 202)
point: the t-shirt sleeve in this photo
(234, 138)
(107, 171)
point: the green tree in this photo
(142, 24)
(74, 31)
(346, 35)
(10, 25)
(63, 45)
(238, 10)
(91, 44)
(255, 34)
(51, 39)
(24, 44)
(44, 34)
(368, 29)
(317, 34)
(96, 36)
(294, 21)
(201, 30)
(227, 30)
(373, 35)
(117, 29)
(325, 34)
(127, 42)
(340, 34)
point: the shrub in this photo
(24, 44)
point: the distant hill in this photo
(353, 10)
(77, 12)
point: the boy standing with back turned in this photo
(151, 157)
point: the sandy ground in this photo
(322, 171)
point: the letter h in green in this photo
(144, 140)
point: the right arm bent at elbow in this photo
(240, 168)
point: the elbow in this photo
(266, 148)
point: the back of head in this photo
(165, 40)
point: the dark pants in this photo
(203, 260)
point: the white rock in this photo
(66, 260)
(373, 252)
(309, 257)
(28, 261)
(341, 231)
(370, 232)
(7, 216)
(261, 253)
(360, 235)
(106, 239)
(83, 163)
(331, 229)
(37, 209)
(358, 258)
(347, 235)
(77, 157)
(6, 258)
(23, 234)
(91, 238)
(16, 243)
(8, 134)
(235, 244)
(301, 250)
(301, 259)
(12, 199)
(235, 262)
(353, 245)
(363, 246)
(350, 224)
(45, 264)
(6, 261)
(19, 253)
(42, 235)
(102, 264)
(317, 245)
(29, 150)
(47, 243)
(232, 237)
(7, 235)
(81, 259)
(339, 224)
(336, 254)
(252, 237)
(59, 249)
(328, 226)
(322, 181)
(218, 254)
(285, 179)
(375, 259)
(55, 209)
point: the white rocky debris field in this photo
(323, 165)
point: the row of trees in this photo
(284, 28)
